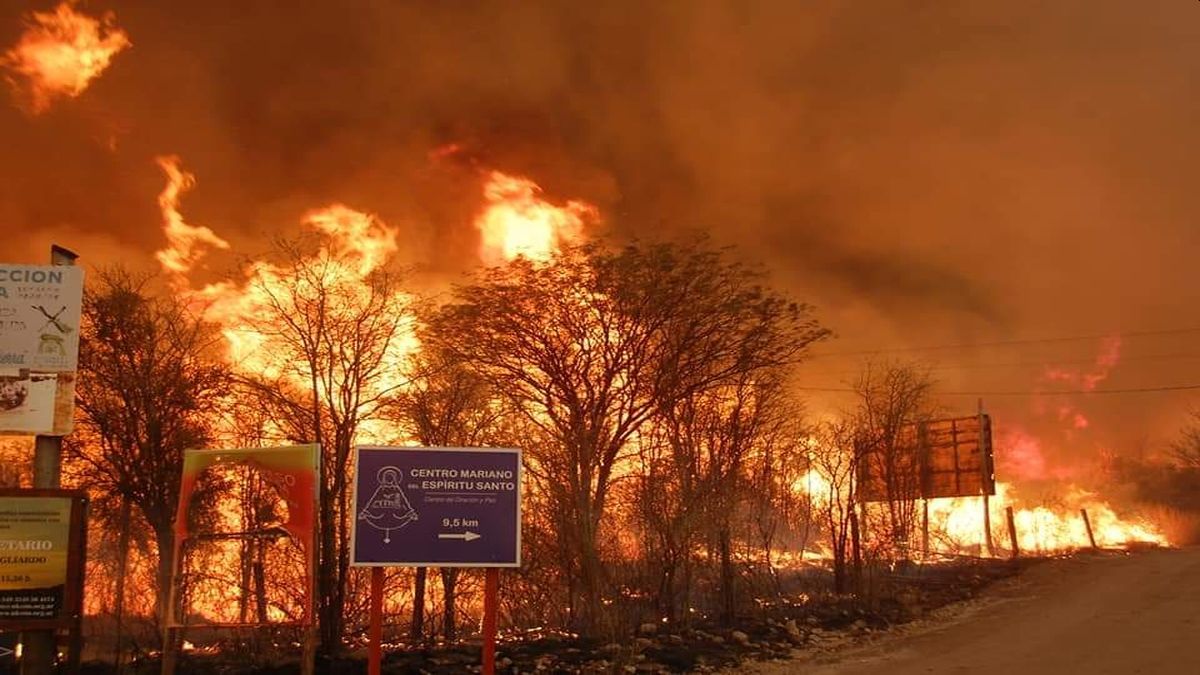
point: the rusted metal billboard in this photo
(927, 460)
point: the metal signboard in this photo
(928, 460)
(41, 558)
(437, 507)
(40, 307)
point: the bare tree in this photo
(148, 382)
(832, 489)
(329, 361)
(592, 344)
(446, 404)
(1186, 449)
(893, 399)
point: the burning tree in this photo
(706, 471)
(446, 404)
(592, 344)
(892, 400)
(327, 328)
(148, 383)
(830, 485)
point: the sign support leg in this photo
(987, 527)
(375, 649)
(40, 646)
(491, 592)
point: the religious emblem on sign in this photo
(388, 508)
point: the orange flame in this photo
(1040, 529)
(958, 524)
(353, 246)
(518, 222)
(60, 53)
(183, 240)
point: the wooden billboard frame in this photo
(919, 456)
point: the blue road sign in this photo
(437, 507)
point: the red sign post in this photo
(436, 507)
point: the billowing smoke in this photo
(925, 173)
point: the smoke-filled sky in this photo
(925, 173)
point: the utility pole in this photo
(39, 649)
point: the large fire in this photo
(957, 525)
(60, 53)
(517, 222)
(352, 246)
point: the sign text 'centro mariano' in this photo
(437, 507)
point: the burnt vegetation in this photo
(671, 498)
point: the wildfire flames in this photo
(515, 221)
(184, 241)
(60, 53)
(957, 525)
(518, 222)
(353, 245)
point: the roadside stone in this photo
(648, 628)
(740, 638)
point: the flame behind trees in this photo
(318, 335)
(326, 363)
(518, 222)
(447, 404)
(148, 384)
(60, 53)
(710, 457)
(892, 400)
(591, 345)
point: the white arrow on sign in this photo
(465, 536)
(5, 651)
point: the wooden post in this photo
(375, 636)
(491, 592)
(1087, 523)
(39, 650)
(308, 655)
(169, 653)
(416, 628)
(1012, 533)
(925, 528)
(987, 509)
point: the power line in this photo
(943, 366)
(1137, 390)
(1005, 343)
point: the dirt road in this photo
(1110, 613)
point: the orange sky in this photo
(924, 173)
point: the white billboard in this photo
(39, 317)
